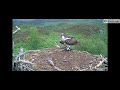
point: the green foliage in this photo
(33, 40)
(18, 46)
(51, 39)
(93, 44)
(32, 37)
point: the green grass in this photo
(34, 37)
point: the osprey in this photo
(67, 40)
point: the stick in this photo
(23, 61)
(16, 30)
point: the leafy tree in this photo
(33, 40)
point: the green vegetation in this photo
(34, 40)
(32, 37)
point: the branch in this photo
(101, 62)
(16, 30)
(24, 61)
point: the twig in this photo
(24, 61)
(51, 63)
(101, 62)
(57, 68)
(16, 30)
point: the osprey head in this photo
(62, 34)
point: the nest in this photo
(56, 59)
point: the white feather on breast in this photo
(65, 38)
